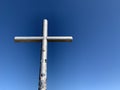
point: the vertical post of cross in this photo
(43, 73)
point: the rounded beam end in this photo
(45, 20)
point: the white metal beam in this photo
(39, 39)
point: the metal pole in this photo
(43, 73)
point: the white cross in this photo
(44, 39)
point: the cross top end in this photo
(45, 20)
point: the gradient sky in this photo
(90, 62)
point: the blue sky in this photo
(90, 62)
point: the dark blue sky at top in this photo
(90, 62)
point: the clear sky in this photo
(90, 62)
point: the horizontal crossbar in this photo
(39, 39)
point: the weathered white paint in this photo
(44, 39)
(43, 77)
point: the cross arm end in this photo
(27, 39)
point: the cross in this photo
(44, 39)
